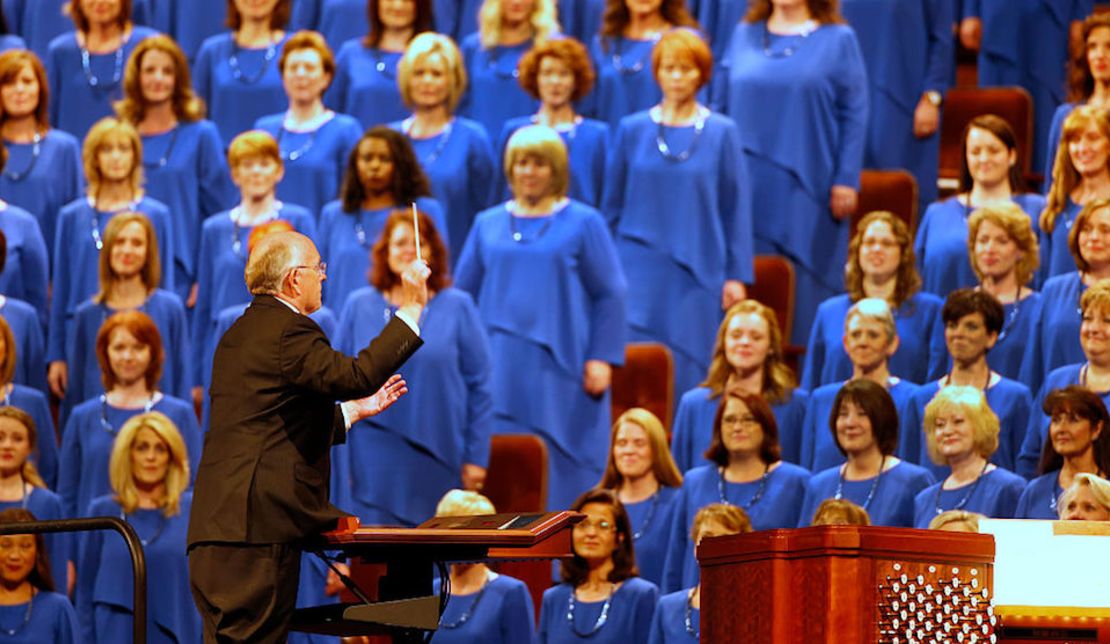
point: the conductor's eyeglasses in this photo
(321, 268)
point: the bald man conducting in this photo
(262, 483)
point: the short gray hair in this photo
(271, 261)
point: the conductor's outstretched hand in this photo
(377, 402)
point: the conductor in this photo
(262, 484)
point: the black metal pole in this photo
(134, 546)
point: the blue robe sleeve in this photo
(480, 169)
(1029, 454)
(612, 201)
(675, 563)
(682, 434)
(69, 471)
(852, 110)
(1019, 411)
(938, 350)
(88, 560)
(469, 270)
(55, 339)
(809, 434)
(736, 208)
(217, 191)
(940, 15)
(474, 365)
(644, 610)
(815, 353)
(604, 280)
(517, 616)
(35, 265)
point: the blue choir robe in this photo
(682, 229)
(629, 619)
(718, 18)
(220, 266)
(30, 342)
(79, 95)
(921, 351)
(1054, 336)
(345, 240)
(625, 82)
(52, 620)
(459, 164)
(941, 243)
(41, 184)
(819, 446)
(27, 267)
(821, 92)
(311, 591)
(550, 302)
(778, 505)
(194, 21)
(1036, 436)
(338, 21)
(168, 314)
(156, 15)
(396, 466)
(76, 259)
(1005, 59)
(891, 502)
(1008, 353)
(668, 625)
(692, 430)
(87, 447)
(314, 161)
(493, 95)
(365, 85)
(581, 19)
(38, 22)
(185, 169)
(1040, 497)
(909, 50)
(504, 615)
(35, 403)
(1056, 257)
(456, 18)
(587, 145)
(238, 94)
(47, 506)
(104, 589)
(995, 496)
(651, 519)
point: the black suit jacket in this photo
(263, 476)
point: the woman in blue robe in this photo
(558, 73)
(133, 359)
(990, 175)
(365, 84)
(881, 264)
(863, 420)
(747, 355)
(158, 510)
(961, 432)
(810, 75)
(32, 612)
(601, 598)
(581, 19)
(746, 471)
(32, 401)
(644, 476)
(236, 73)
(544, 252)
(183, 158)
(1078, 419)
(492, 55)
(24, 268)
(43, 170)
(26, 329)
(194, 21)
(676, 197)
(38, 22)
(336, 20)
(85, 66)
(622, 55)
(382, 175)
(455, 152)
(396, 467)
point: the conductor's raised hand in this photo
(378, 402)
(414, 285)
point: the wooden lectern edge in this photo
(1015, 614)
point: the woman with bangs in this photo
(538, 252)
(85, 66)
(30, 609)
(747, 357)
(113, 160)
(31, 400)
(507, 29)
(990, 176)
(235, 73)
(559, 74)
(1080, 176)
(183, 156)
(43, 171)
(961, 432)
(455, 152)
(677, 200)
(150, 475)
(880, 264)
(129, 351)
(366, 68)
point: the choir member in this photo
(880, 264)
(30, 610)
(748, 357)
(1076, 444)
(602, 597)
(32, 401)
(746, 471)
(840, 512)
(644, 476)
(961, 432)
(956, 521)
(27, 327)
(149, 472)
(541, 251)
(25, 265)
(1088, 499)
(677, 199)
(396, 465)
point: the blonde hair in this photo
(662, 462)
(464, 503)
(1064, 175)
(543, 142)
(963, 518)
(151, 272)
(253, 143)
(29, 472)
(428, 44)
(1011, 218)
(98, 133)
(840, 512)
(187, 106)
(1099, 487)
(544, 21)
(973, 404)
(1081, 220)
(1096, 298)
(732, 518)
(778, 380)
(119, 465)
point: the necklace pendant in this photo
(517, 237)
(380, 66)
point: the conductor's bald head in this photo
(273, 269)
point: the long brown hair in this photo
(617, 17)
(769, 451)
(778, 379)
(907, 282)
(421, 22)
(575, 570)
(662, 462)
(11, 63)
(1081, 82)
(40, 576)
(1084, 403)
(1002, 131)
(151, 272)
(1064, 175)
(823, 11)
(187, 106)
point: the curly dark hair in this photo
(409, 180)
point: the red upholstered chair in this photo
(961, 104)
(774, 287)
(892, 190)
(646, 380)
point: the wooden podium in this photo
(847, 584)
